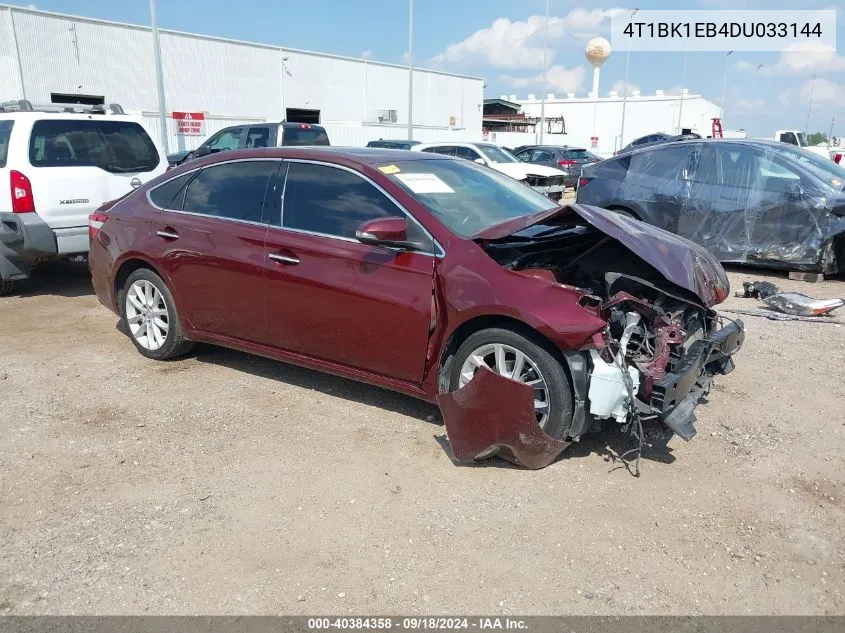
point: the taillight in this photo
(304, 126)
(95, 222)
(566, 162)
(21, 189)
(583, 181)
(837, 159)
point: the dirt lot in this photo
(225, 483)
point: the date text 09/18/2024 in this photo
(418, 623)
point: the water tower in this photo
(597, 51)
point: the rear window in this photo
(5, 133)
(309, 135)
(115, 146)
(577, 154)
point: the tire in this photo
(145, 327)
(7, 287)
(558, 386)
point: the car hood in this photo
(523, 170)
(679, 260)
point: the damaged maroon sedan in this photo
(529, 323)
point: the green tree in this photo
(816, 137)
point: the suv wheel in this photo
(519, 358)
(149, 313)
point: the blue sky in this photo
(501, 41)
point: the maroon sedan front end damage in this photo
(653, 357)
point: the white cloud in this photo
(519, 44)
(619, 88)
(559, 78)
(823, 91)
(800, 59)
(756, 106)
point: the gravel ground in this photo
(225, 483)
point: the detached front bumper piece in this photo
(676, 395)
(493, 415)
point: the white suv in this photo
(60, 166)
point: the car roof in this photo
(335, 154)
(656, 147)
(37, 115)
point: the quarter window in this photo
(231, 190)
(167, 196)
(331, 201)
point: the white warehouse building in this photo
(228, 82)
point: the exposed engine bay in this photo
(652, 323)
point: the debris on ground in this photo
(757, 290)
(781, 316)
(799, 304)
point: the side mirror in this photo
(392, 231)
(796, 191)
(480, 161)
(202, 150)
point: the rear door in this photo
(657, 183)
(78, 164)
(332, 297)
(210, 242)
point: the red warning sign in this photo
(189, 123)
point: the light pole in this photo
(810, 106)
(410, 70)
(683, 84)
(724, 85)
(545, 74)
(162, 107)
(625, 91)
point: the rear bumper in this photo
(553, 189)
(25, 239)
(675, 397)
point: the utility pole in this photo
(810, 106)
(410, 70)
(724, 85)
(545, 75)
(162, 107)
(683, 87)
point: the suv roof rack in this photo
(22, 105)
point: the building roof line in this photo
(216, 38)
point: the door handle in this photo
(284, 259)
(169, 235)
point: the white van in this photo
(60, 166)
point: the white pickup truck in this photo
(794, 137)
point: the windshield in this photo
(496, 154)
(823, 168)
(466, 197)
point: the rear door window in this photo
(542, 156)
(466, 152)
(258, 137)
(663, 164)
(232, 190)
(5, 133)
(115, 146)
(304, 134)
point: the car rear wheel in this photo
(150, 316)
(514, 356)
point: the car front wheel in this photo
(514, 356)
(149, 313)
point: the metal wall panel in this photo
(10, 83)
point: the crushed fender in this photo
(493, 415)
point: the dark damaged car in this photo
(758, 202)
(529, 323)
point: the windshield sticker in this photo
(425, 183)
(389, 169)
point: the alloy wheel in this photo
(147, 315)
(511, 363)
